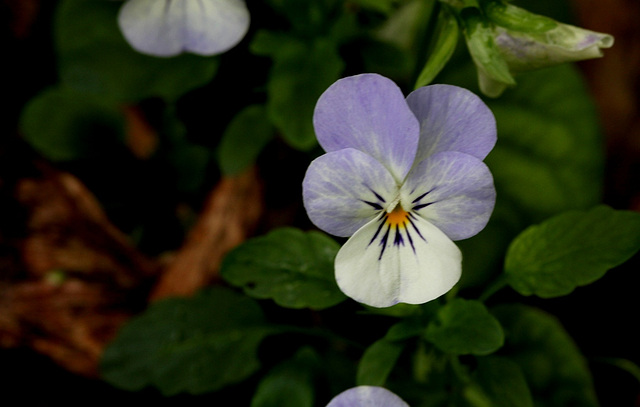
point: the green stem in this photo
(459, 370)
(460, 4)
(494, 287)
(424, 35)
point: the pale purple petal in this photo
(367, 396)
(368, 112)
(345, 189)
(452, 119)
(452, 190)
(394, 260)
(167, 28)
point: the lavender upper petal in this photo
(168, 28)
(452, 190)
(368, 112)
(452, 119)
(345, 189)
(367, 396)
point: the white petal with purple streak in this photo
(382, 264)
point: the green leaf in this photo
(474, 396)
(292, 267)
(382, 6)
(554, 163)
(407, 328)
(307, 18)
(300, 73)
(570, 250)
(400, 310)
(446, 39)
(190, 163)
(64, 125)
(187, 161)
(557, 373)
(430, 366)
(377, 362)
(244, 138)
(193, 345)
(464, 327)
(269, 43)
(624, 365)
(94, 57)
(503, 382)
(385, 58)
(289, 384)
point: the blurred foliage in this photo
(555, 370)
(247, 134)
(289, 384)
(196, 345)
(503, 382)
(93, 57)
(57, 122)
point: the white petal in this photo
(367, 396)
(382, 265)
(167, 28)
(152, 26)
(215, 25)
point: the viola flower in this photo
(367, 396)
(167, 28)
(403, 178)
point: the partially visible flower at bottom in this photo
(403, 178)
(367, 396)
(169, 27)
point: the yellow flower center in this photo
(397, 217)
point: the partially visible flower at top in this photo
(167, 28)
(367, 396)
(508, 39)
(403, 178)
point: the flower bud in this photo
(531, 41)
(522, 41)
